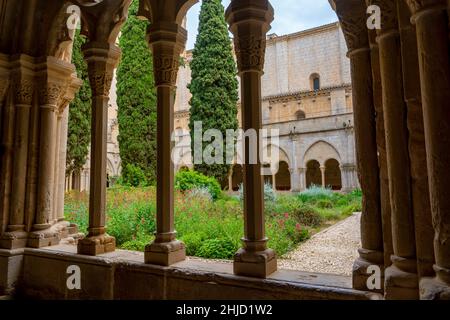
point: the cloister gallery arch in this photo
(401, 116)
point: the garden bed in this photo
(213, 228)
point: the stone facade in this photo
(315, 125)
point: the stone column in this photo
(381, 147)
(322, 172)
(6, 138)
(23, 86)
(431, 22)
(352, 15)
(63, 115)
(418, 157)
(53, 77)
(62, 164)
(249, 22)
(302, 172)
(167, 41)
(401, 277)
(295, 180)
(57, 151)
(230, 180)
(101, 59)
(274, 182)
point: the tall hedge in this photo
(214, 86)
(136, 98)
(79, 134)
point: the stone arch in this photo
(321, 151)
(283, 155)
(283, 177)
(313, 173)
(333, 178)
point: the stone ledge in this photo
(123, 275)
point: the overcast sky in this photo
(290, 16)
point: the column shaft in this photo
(167, 41)
(433, 49)
(424, 231)
(250, 22)
(400, 278)
(322, 172)
(385, 202)
(165, 231)
(371, 251)
(101, 59)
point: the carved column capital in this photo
(167, 42)
(50, 93)
(73, 87)
(249, 22)
(352, 16)
(389, 21)
(22, 79)
(53, 77)
(102, 59)
(419, 5)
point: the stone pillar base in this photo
(259, 264)
(13, 240)
(165, 253)
(400, 285)
(434, 289)
(43, 236)
(360, 275)
(11, 262)
(95, 245)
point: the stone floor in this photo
(332, 250)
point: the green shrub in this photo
(307, 215)
(133, 176)
(217, 249)
(189, 180)
(324, 203)
(137, 244)
(270, 196)
(315, 193)
(193, 242)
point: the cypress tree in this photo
(214, 86)
(79, 135)
(136, 98)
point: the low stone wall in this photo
(123, 275)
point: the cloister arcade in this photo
(402, 125)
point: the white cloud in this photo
(290, 16)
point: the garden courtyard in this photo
(316, 230)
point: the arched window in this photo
(333, 177)
(300, 115)
(315, 81)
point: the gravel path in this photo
(332, 250)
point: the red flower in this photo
(286, 215)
